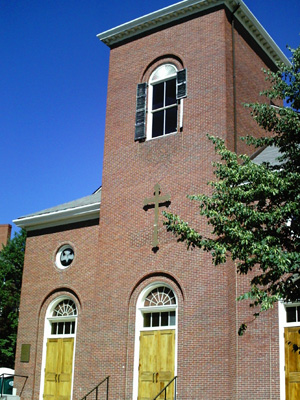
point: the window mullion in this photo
(164, 102)
(170, 106)
(165, 92)
(164, 108)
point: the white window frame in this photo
(153, 82)
(139, 327)
(160, 309)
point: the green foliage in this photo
(254, 209)
(11, 268)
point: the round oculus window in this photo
(64, 256)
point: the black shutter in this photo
(140, 117)
(181, 91)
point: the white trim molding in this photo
(47, 335)
(59, 217)
(140, 309)
(187, 8)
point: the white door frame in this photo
(48, 335)
(283, 324)
(140, 309)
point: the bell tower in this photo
(176, 76)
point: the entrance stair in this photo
(94, 393)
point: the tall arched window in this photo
(166, 88)
(162, 102)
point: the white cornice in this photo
(261, 36)
(186, 8)
(58, 218)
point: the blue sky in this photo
(53, 92)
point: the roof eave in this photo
(154, 20)
(186, 8)
(260, 35)
(58, 218)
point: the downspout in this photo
(235, 150)
(234, 79)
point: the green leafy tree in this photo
(254, 210)
(11, 268)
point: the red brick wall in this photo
(181, 164)
(5, 231)
(42, 283)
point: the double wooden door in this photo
(156, 363)
(58, 371)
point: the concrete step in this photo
(9, 397)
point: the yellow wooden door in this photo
(64, 377)
(147, 365)
(52, 360)
(292, 363)
(58, 371)
(166, 362)
(156, 363)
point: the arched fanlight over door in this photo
(159, 308)
(161, 296)
(63, 318)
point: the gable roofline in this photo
(267, 154)
(83, 209)
(187, 8)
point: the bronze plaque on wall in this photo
(25, 353)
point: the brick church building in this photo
(106, 290)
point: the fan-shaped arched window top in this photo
(65, 308)
(163, 72)
(160, 296)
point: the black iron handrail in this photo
(165, 389)
(95, 389)
(8, 376)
